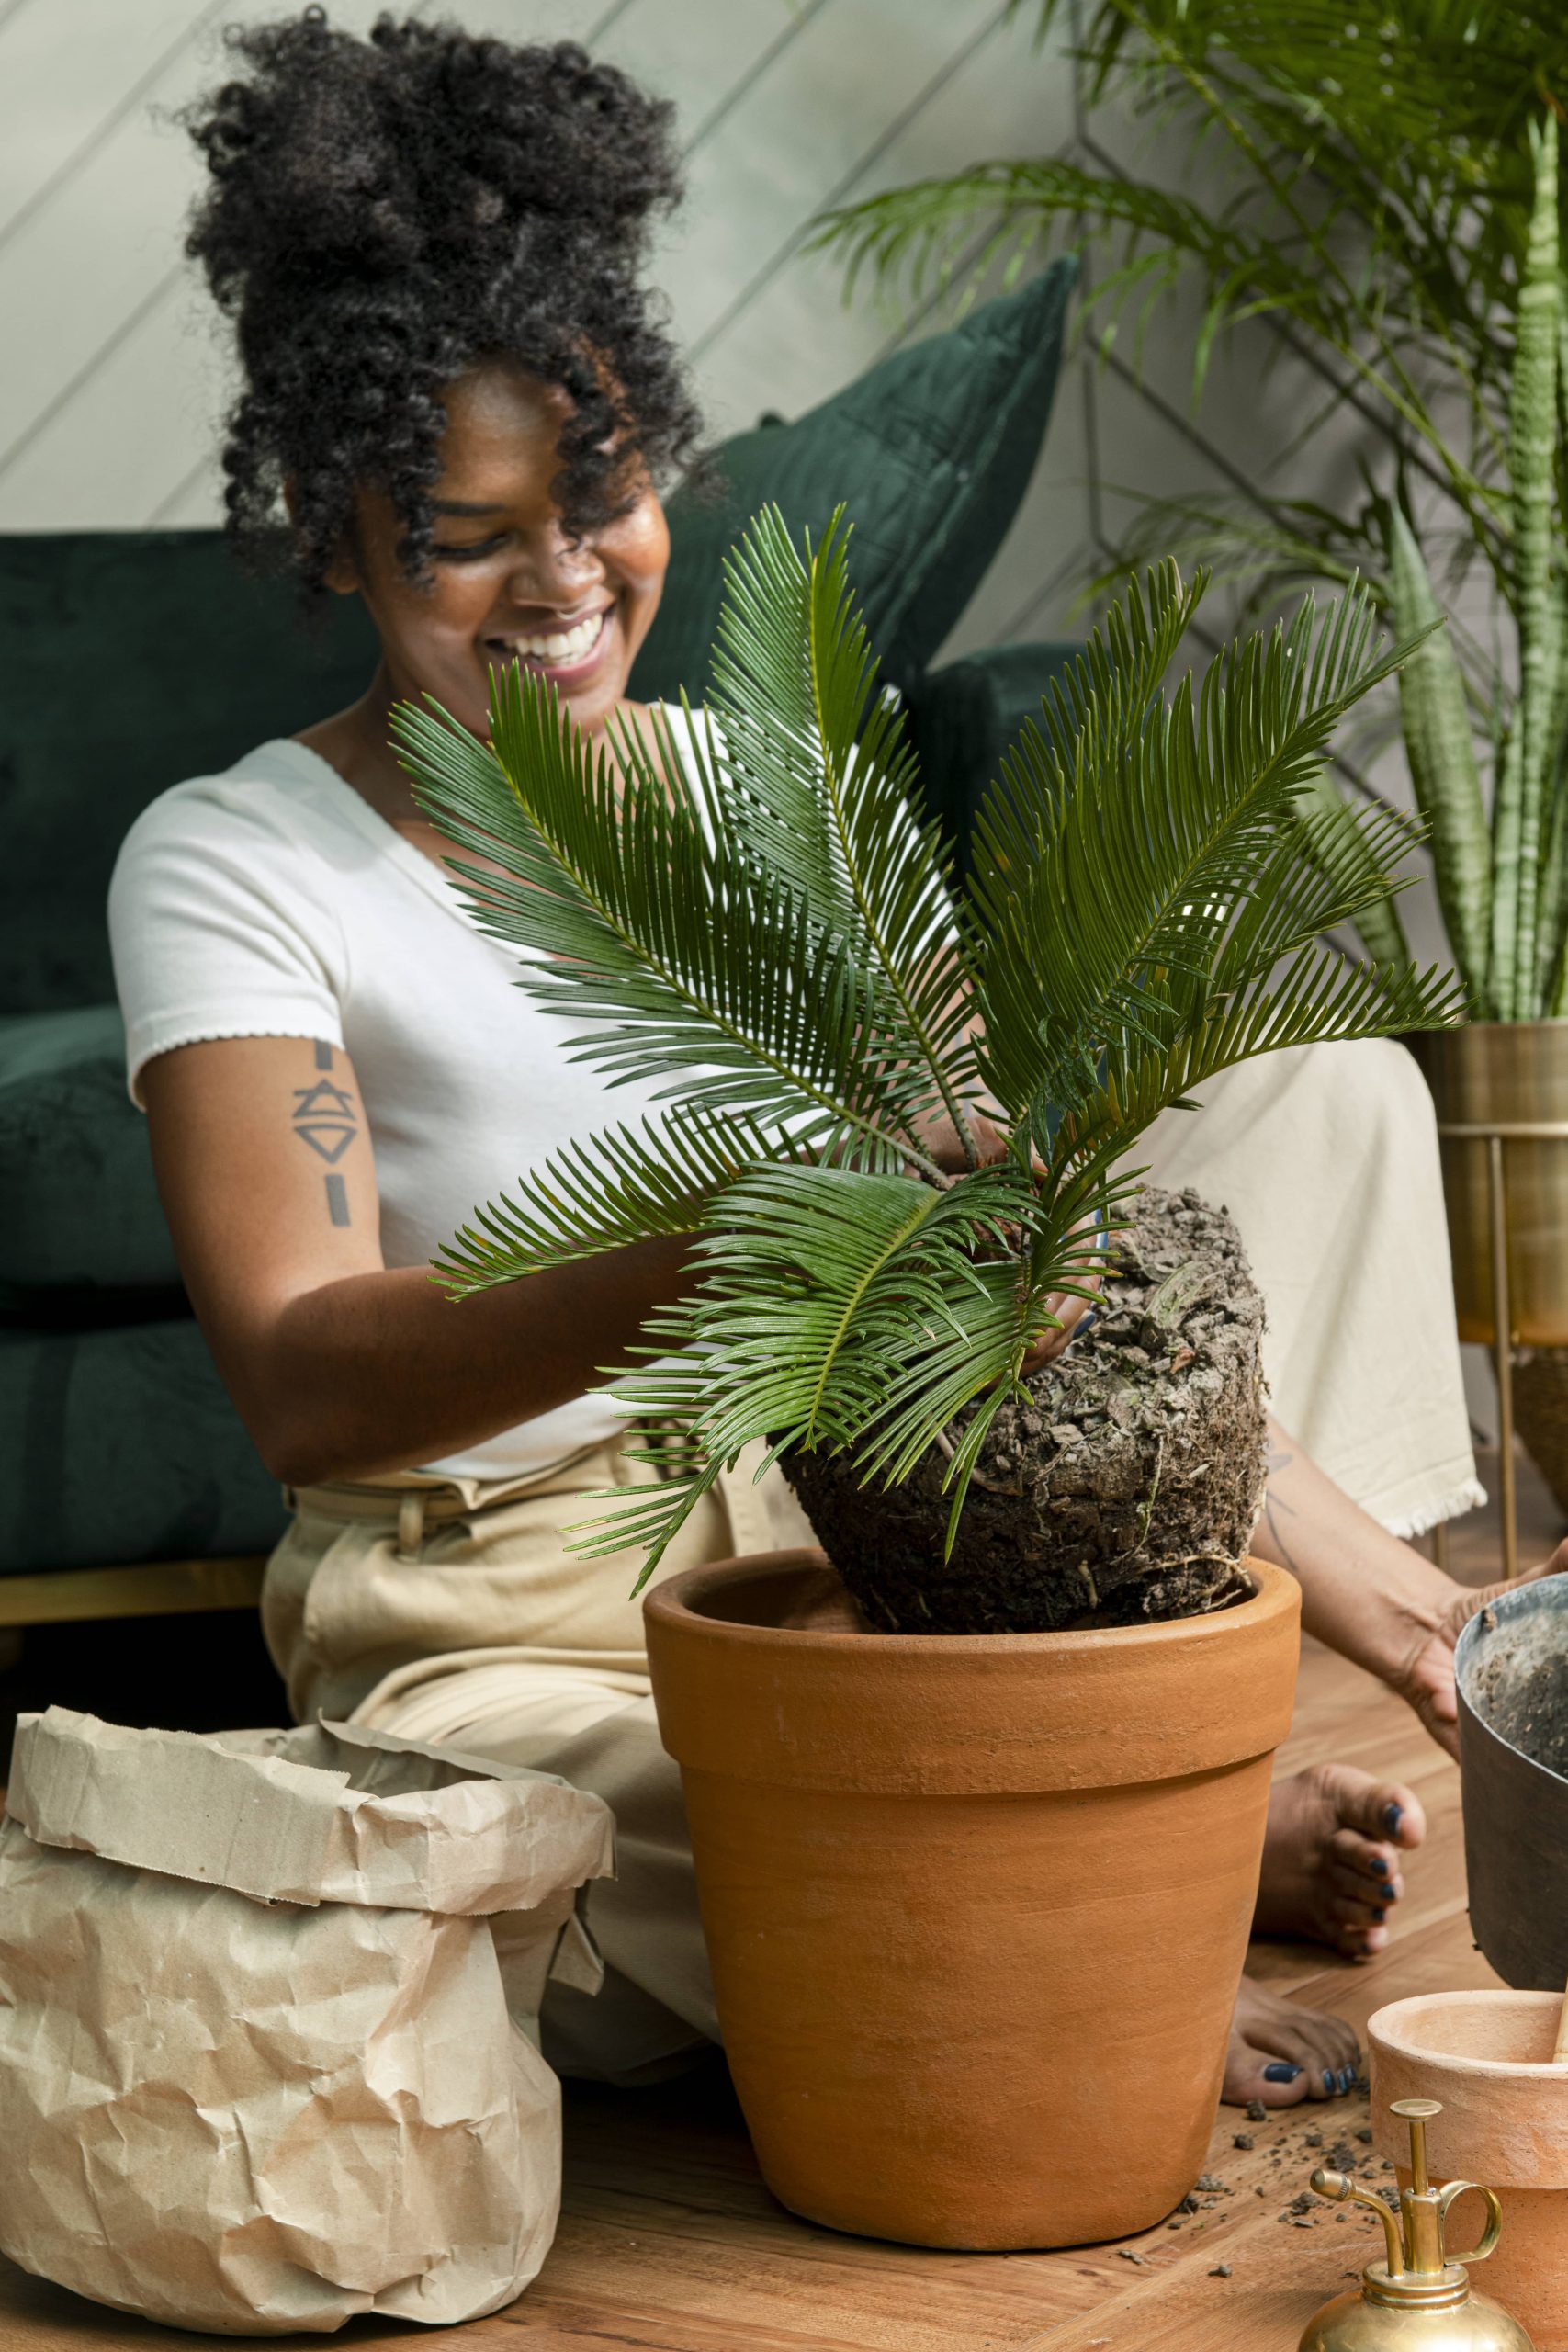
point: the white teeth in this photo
(569, 645)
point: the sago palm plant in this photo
(764, 933)
(1382, 186)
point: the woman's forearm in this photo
(1364, 1592)
(376, 1372)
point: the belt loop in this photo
(411, 1526)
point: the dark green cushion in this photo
(931, 452)
(78, 1204)
(118, 1446)
(964, 718)
(130, 660)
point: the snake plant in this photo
(765, 934)
(1388, 197)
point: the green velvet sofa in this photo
(131, 660)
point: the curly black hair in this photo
(385, 213)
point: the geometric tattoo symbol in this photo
(323, 1096)
(328, 1139)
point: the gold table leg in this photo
(1503, 1348)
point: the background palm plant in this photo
(1388, 197)
(766, 931)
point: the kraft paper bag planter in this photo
(266, 2013)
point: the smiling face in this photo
(509, 582)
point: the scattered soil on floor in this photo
(1123, 1489)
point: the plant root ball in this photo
(1124, 1490)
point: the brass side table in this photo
(1494, 1133)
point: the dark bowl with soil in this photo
(1512, 1670)
(1122, 1492)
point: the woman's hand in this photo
(1069, 1312)
(1368, 1594)
(1427, 1678)
(939, 1140)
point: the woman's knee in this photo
(1371, 1086)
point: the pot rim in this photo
(1387, 2025)
(1531, 1600)
(1274, 1589)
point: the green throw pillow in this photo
(78, 1204)
(931, 452)
(966, 718)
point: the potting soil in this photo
(1520, 1686)
(1123, 1489)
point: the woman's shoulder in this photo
(269, 802)
(222, 918)
(257, 852)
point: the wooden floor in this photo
(669, 2243)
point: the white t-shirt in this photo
(272, 901)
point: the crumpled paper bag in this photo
(268, 2009)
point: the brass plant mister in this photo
(1417, 2300)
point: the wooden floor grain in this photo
(669, 2243)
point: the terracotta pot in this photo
(1506, 1070)
(977, 1905)
(1487, 2056)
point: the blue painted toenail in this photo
(1378, 1867)
(1346, 2078)
(1330, 2082)
(1279, 2073)
(1393, 1815)
(1379, 1917)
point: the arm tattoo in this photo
(326, 1123)
(1277, 1459)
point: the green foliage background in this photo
(1390, 201)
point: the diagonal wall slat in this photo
(54, 117)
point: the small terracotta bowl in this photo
(1487, 2056)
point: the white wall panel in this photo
(115, 374)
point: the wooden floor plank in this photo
(669, 2243)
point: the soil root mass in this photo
(1124, 1488)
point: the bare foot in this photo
(1331, 1857)
(1282, 2055)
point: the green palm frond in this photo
(1356, 855)
(1383, 188)
(769, 939)
(818, 1286)
(1263, 552)
(1110, 871)
(1319, 998)
(1338, 864)
(627, 1184)
(819, 785)
(620, 900)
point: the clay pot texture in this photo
(1487, 2056)
(977, 1905)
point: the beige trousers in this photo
(1326, 1157)
(453, 1612)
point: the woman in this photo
(459, 393)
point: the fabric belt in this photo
(418, 1499)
